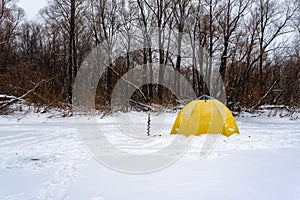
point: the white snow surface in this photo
(43, 158)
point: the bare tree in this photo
(273, 22)
(67, 15)
(182, 10)
(144, 22)
(232, 13)
(162, 13)
(10, 18)
(105, 23)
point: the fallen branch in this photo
(14, 99)
(148, 107)
(263, 98)
(130, 83)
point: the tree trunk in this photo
(72, 52)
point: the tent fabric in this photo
(205, 97)
(205, 116)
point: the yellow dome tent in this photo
(205, 115)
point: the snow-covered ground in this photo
(44, 158)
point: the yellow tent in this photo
(205, 115)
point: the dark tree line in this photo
(254, 43)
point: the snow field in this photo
(43, 158)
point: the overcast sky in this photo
(32, 7)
